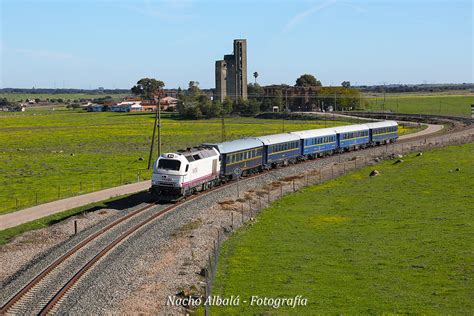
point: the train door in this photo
(214, 166)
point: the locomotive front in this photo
(168, 174)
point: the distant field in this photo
(46, 155)
(399, 243)
(457, 105)
(13, 97)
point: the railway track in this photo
(24, 299)
(41, 280)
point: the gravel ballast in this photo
(165, 257)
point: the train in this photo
(186, 172)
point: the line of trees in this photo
(195, 104)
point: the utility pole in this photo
(383, 110)
(335, 102)
(223, 136)
(157, 124)
(150, 157)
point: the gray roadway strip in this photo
(39, 211)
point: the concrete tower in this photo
(231, 73)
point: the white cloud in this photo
(316, 8)
(169, 9)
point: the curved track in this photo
(22, 298)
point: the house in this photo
(127, 106)
(168, 103)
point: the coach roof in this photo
(236, 145)
(381, 124)
(278, 138)
(351, 128)
(315, 133)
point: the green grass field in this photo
(14, 97)
(46, 155)
(457, 105)
(399, 243)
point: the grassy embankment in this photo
(398, 243)
(456, 105)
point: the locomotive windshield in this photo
(169, 164)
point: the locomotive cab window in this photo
(169, 164)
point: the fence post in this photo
(75, 227)
(210, 264)
(206, 306)
(232, 220)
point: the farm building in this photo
(127, 106)
(168, 103)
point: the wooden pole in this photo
(150, 157)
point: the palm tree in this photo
(255, 74)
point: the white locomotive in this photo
(185, 172)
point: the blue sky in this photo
(87, 44)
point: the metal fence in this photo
(27, 198)
(250, 203)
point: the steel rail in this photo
(5, 308)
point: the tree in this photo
(147, 88)
(346, 84)
(227, 105)
(254, 90)
(255, 75)
(193, 89)
(307, 80)
(278, 100)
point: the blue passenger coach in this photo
(280, 148)
(317, 141)
(352, 136)
(245, 154)
(383, 132)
